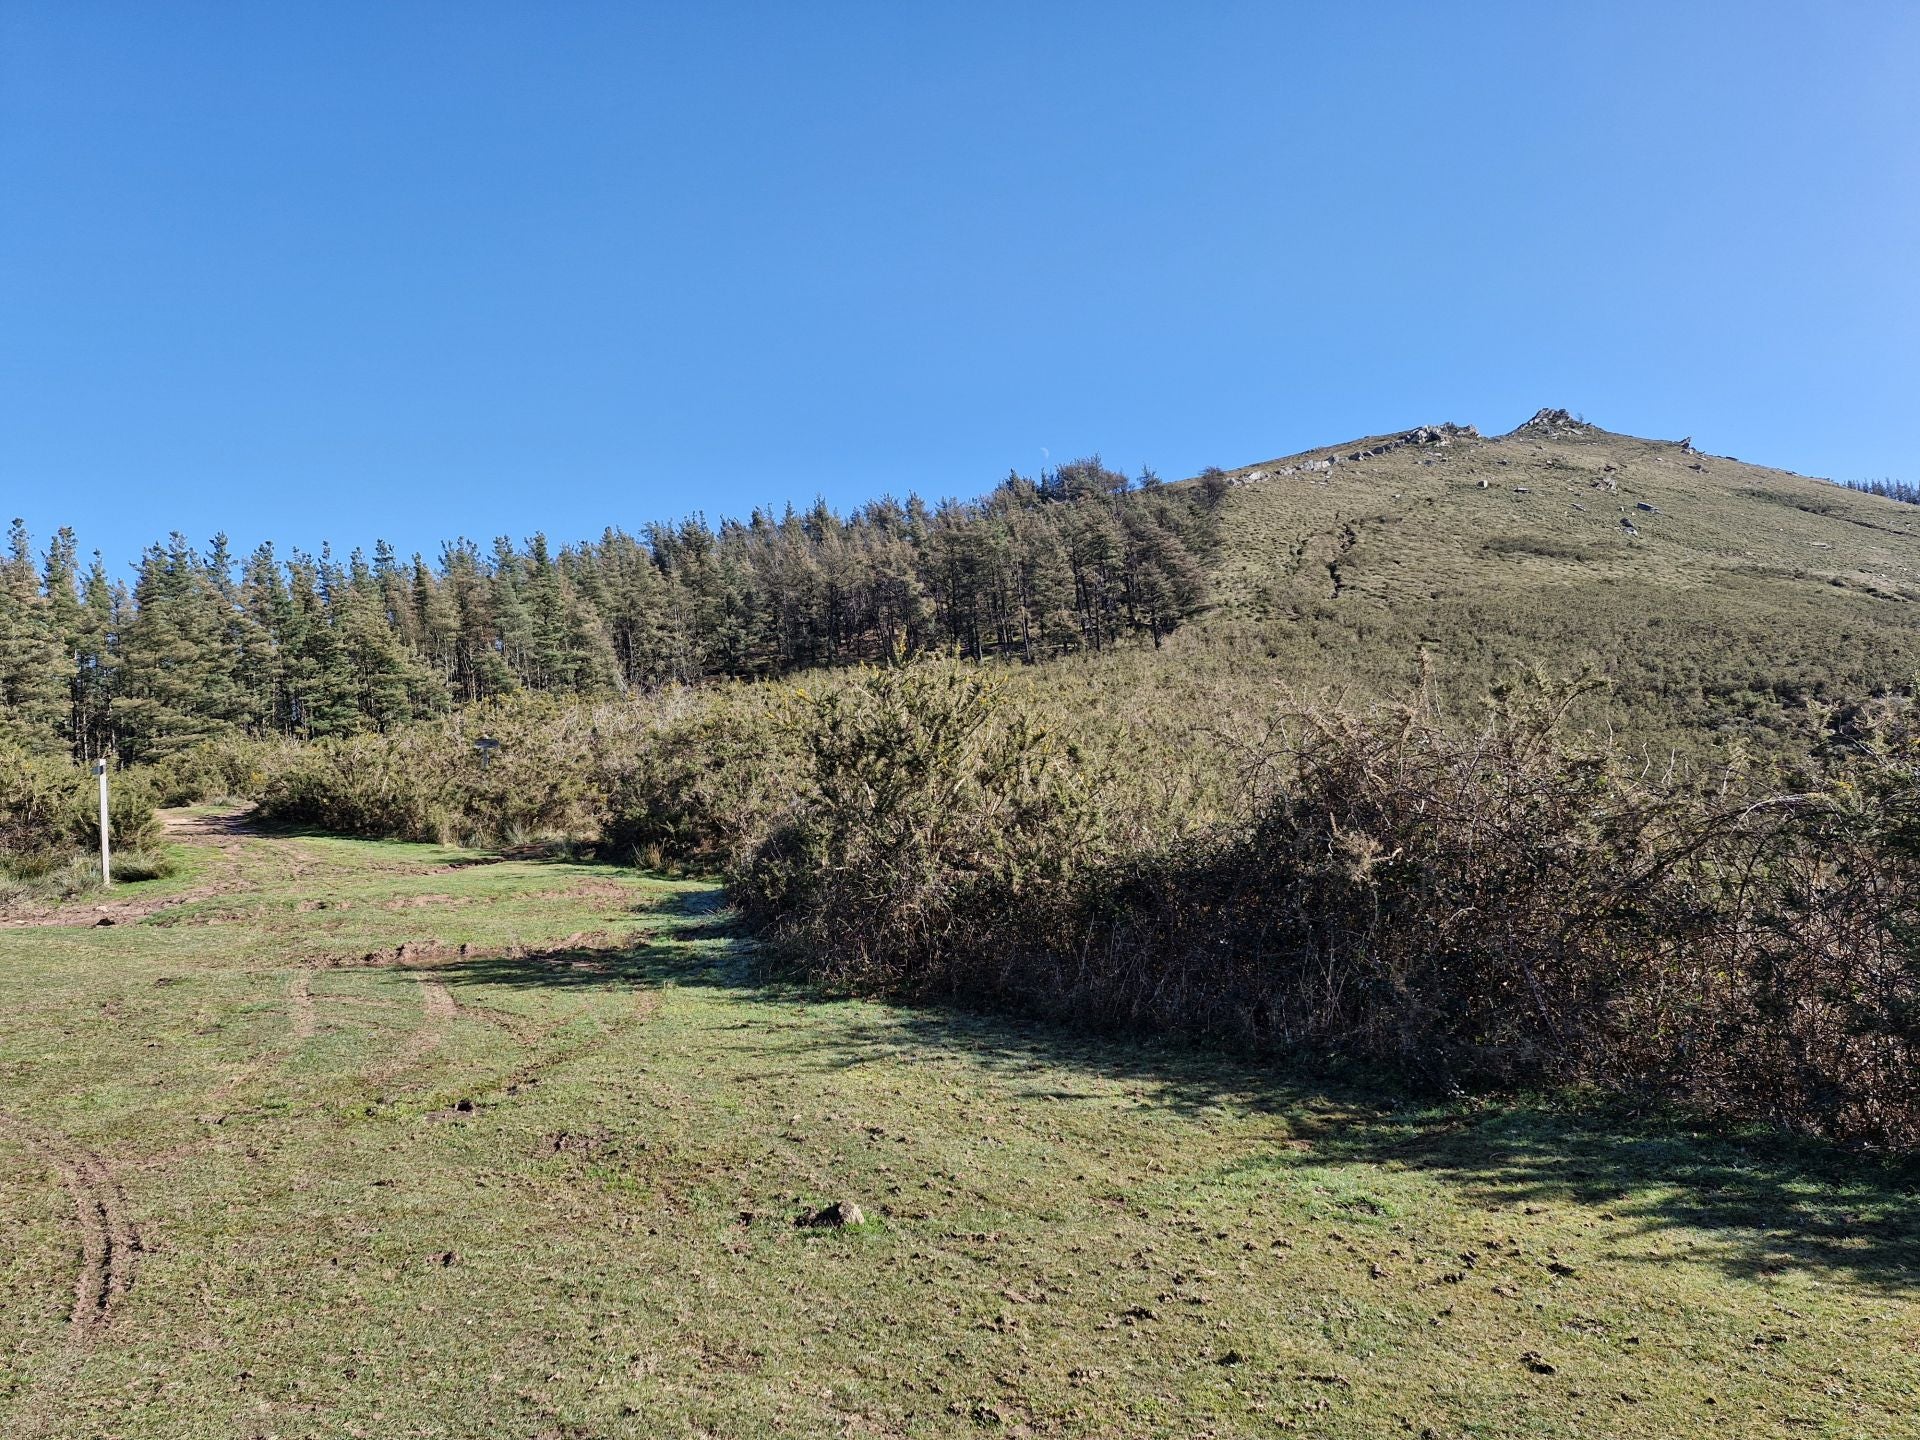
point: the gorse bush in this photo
(36, 795)
(698, 787)
(430, 782)
(1498, 906)
(930, 807)
(49, 809)
(1507, 907)
(227, 768)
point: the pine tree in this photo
(103, 608)
(34, 698)
(385, 679)
(176, 683)
(436, 623)
(59, 582)
(263, 621)
(319, 695)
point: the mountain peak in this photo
(1556, 422)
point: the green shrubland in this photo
(1264, 759)
(1492, 900)
(49, 810)
(1505, 905)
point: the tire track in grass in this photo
(109, 1244)
(523, 1028)
(300, 1007)
(437, 1009)
(536, 1065)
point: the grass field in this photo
(340, 1138)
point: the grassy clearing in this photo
(359, 1183)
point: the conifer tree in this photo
(96, 661)
(263, 620)
(176, 681)
(34, 699)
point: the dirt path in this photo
(223, 832)
(224, 829)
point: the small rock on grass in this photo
(836, 1216)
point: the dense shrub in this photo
(228, 768)
(930, 810)
(1504, 907)
(699, 786)
(36, 793)
(428, 781)
(49, 809)
(1495, 906)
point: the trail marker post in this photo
(106, 860)
(486, 745)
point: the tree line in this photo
(1905, 491)
(203, 643)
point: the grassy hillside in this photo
(1742, 594)
(327, 1137)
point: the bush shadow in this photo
(1770, 1202)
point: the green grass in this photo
(1064, 1235)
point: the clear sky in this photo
(344, 270)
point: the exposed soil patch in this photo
(224, 829)
(419, 954)
(300, 1008)
(412, 954)
(423, 902)
(109, 1245)
(224, 832)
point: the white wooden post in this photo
(106, 860)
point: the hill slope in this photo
(1718, 593)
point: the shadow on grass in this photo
(1764, 1201)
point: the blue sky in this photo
(343, 270)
